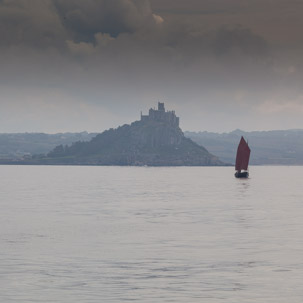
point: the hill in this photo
(278, 147)
(20, 145)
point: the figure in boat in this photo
(242, 159)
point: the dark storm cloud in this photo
(53, 22)
(127, 23)
(194, 7)
(50, 22)
(86, 18)
(30, 22)
(242, 39)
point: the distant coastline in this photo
(277, 147)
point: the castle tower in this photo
(161, 107)
(161, 115)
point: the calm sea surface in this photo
(115, 234)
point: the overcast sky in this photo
(76, 65)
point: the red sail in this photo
(243, 154)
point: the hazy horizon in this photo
(184, 130)
(72, 65)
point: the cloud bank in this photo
(72, 65)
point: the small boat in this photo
(242, 159)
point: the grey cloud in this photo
(86, 18)
(30, 22)
(49, 23)
(240, 39)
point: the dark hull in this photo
(243, 174)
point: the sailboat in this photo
(242, 159)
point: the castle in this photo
(161, 115)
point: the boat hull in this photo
(243, 174)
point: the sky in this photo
(90, 65)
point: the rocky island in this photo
(155, 140)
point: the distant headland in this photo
(155, 140)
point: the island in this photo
(154, 140)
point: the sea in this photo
(151, 234)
